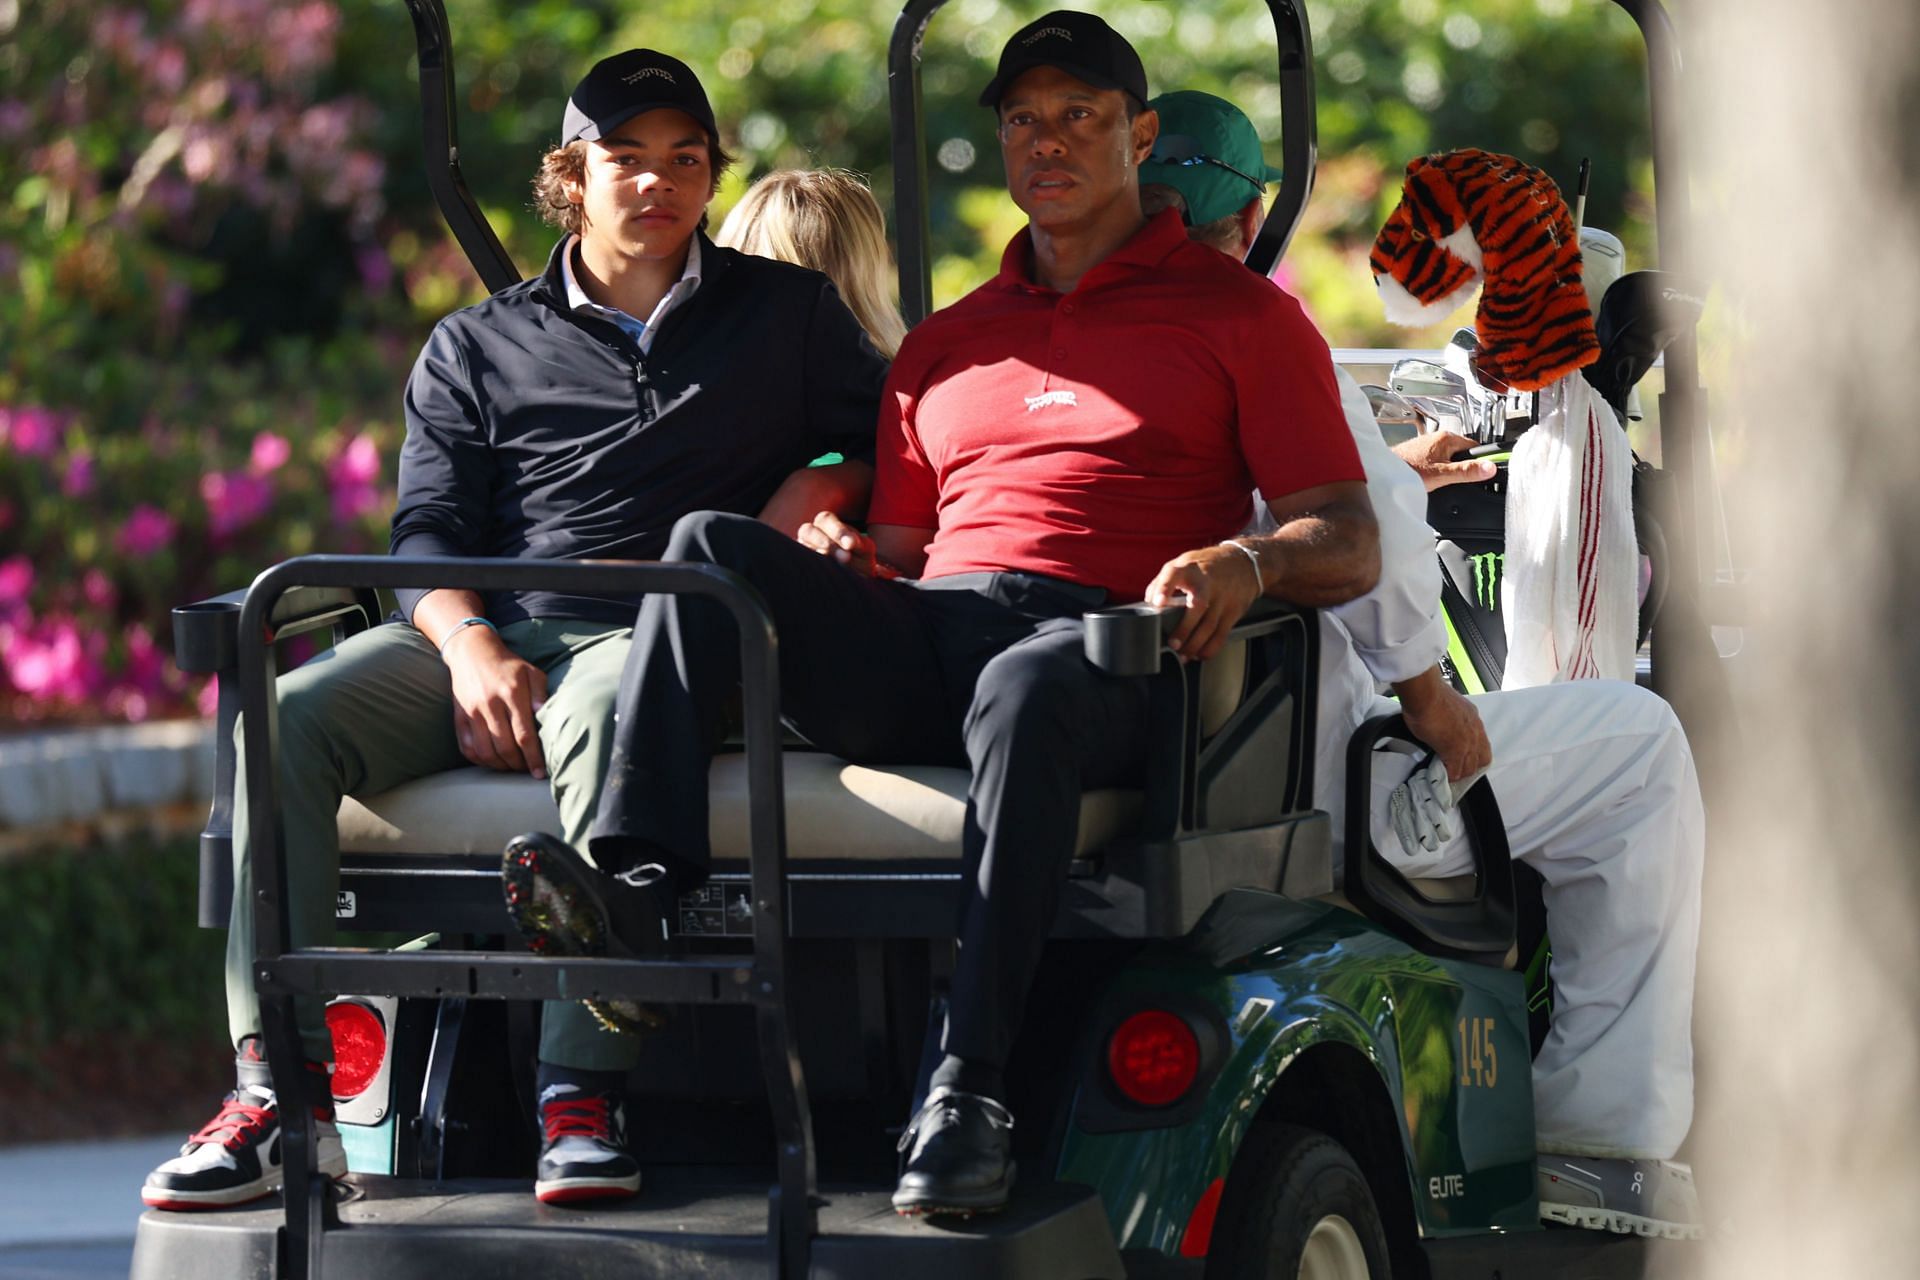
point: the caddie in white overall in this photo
(1594, 779)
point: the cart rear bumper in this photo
(392, 1229)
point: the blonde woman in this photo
(828, 220)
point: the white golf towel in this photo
(1568, 581)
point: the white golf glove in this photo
(1423, 808)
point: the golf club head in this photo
(1640, 315)
(1398, 418)
(1444, 413)
(1413, 375)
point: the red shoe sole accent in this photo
(200, 1206)
(569, 1195)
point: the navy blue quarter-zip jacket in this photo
(534, 431)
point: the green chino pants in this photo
(377, 711)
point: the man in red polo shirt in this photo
(1084, 429)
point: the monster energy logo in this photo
(1487, 567)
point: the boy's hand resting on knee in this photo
(495, 695)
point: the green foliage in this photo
(174, 416)
(103, 942)
(803, 82)
(218, 254)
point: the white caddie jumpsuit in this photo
(1597, 787)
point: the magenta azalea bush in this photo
(218, 255)
(103, 539)
(175, 414)
(217, 262)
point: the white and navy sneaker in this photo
(1653, 1198)
(235, 1157)
(584, 1156)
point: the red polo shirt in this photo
(1095, 435)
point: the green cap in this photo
(1209, 152)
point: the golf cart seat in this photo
(851, 830)
(836, 811)
(872, 852)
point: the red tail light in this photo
(359, 1047)
(1154, 1057)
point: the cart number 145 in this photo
(1479, 1063)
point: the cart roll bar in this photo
(438, 121)
(1299, 136)
(1299, 147)
(1480, 928)
(909, 133)
(279, 973)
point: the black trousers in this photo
(981, 670)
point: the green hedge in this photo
(103, 943)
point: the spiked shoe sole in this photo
(551, 906)
(559, 914)
(930, 1204)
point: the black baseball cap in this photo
(1079, 44)
(621, 87)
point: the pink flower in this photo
(49, 662)
(376, 269)
(235, 499)
(350, 502)
(146, 669)
(127, 704)
(270, 453)
(30, 431)
(357, 463)
(167, 68)
(353, 477)
(207, 701)
(146, 531)
(16, 579)
(77, 482)
(97, 587)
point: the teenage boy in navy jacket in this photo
(645, 374)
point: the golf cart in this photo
(1239, 1061)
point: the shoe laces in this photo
(586, 1116)
(235, 1123)
(644, 876)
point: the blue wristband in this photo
(462, 625)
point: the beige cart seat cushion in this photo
(834, 810)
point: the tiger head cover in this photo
(1476, 218)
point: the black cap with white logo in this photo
(621, 87)
(1079, 44)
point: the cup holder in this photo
(1128, 639)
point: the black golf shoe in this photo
(959, 1152)
(564, 906)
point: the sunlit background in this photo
(218, 258)
(218, 254)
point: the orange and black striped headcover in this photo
(1469, 217)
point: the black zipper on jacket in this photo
(713, 268)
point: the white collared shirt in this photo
(641, 331)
